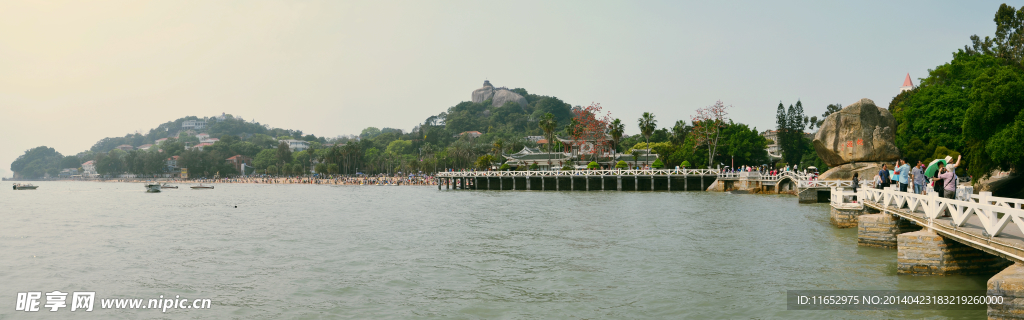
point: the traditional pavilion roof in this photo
(607, 137)
(533, 154)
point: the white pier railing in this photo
(995, 213)
(590, 173)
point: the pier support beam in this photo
(881, 230)
(1010, 284)
(927, 253)
(618, 183)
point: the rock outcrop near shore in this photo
(860, 132)
(498, 96)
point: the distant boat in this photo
(201, 186)
(155, 187)
(18, 186)
(167, 186)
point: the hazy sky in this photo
(73, 72)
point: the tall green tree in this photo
(616, 129)
(647, 125)
(284, 154)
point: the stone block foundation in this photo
(927, 253)
(844, 218)
(881, 230)
(1010, 284)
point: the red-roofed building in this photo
(907, 84)
(238, 160)
(201, 145)
(471, 134)
(172, 163)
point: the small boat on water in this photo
(152, 187)
(200, 187)
(27, 186)
(167, 186)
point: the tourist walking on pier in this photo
(903, 174)
(919, 179)
(884, 175)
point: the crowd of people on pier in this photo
(943, 180)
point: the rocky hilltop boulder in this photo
(482, 94)
(503, 96)
(860, 132)
(498, 96)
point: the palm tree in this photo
(679, 132)
(548, 123)
(647, 125)
(498, 148)
(616, 129)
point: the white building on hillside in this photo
(296, 145)
(193, 124)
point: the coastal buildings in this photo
(471, 134)
(238, 160)
(89, 169)
(171, 164)
(145, 147)
(68, 173)
(296, 145)
(125, 147)
(193, 124)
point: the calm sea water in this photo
(312, 252)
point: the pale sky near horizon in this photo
(72, 73)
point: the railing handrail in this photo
(995, 213)
(604, 172)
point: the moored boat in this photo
(167, 186)
(27, 186)
(200, 187)
(154, 187)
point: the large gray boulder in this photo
(860, 132)
(503, 96)
(482, 94)
(498, 96)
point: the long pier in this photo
(935, 236)
(581, 180)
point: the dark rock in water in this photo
(739, 192)
(860, 132)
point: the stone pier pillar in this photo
(1010, 285)
(844, 218)
(927, 253)
(618, 183)
(880, 230)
